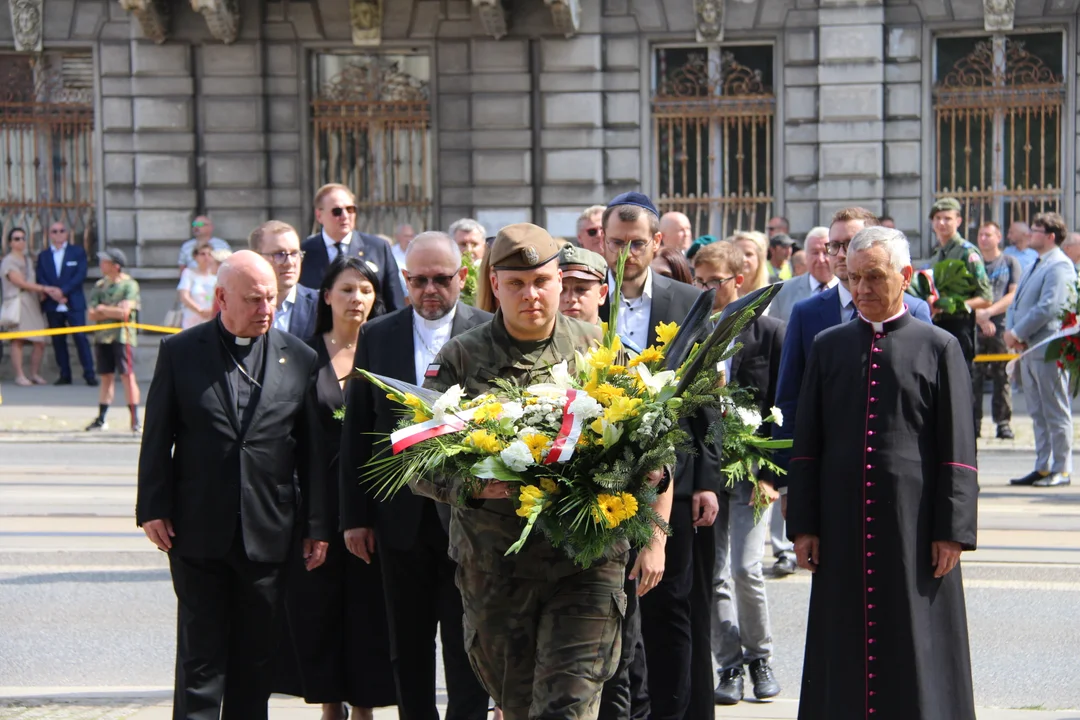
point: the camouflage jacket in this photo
(482, 530)
(107, 292)
(960, 249)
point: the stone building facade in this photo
(128, 117)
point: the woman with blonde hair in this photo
(755, 248)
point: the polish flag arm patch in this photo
(432, 370)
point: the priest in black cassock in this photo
(882, 500)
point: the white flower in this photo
(517, 456)
(777, 416)
(450, 401)
(560, 376)
(585, 408)
(749, 417)
(512, 411)
(547, 393)
(655, 383)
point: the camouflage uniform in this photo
(542, 634)
(962, 327)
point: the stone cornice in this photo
(153, 17)
(222, 18)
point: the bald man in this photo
(676, 232)
(228, 450)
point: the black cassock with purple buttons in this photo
(883, 465)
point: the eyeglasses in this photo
(715, 284)
(18, 238)
(57, 231)
(281, 257)
(636, 247)
(419, 282)
(833, 248)
(593, 232)
(199, 224)
(774, 227)
(339, 211)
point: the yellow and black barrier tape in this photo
(49, 332)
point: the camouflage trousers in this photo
(544, 648)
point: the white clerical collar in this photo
(242, 340)
(432, 326)
(290, 299)
(880, 326)
(646, 291)
(815, 284)
(845, 296)
(330, 242)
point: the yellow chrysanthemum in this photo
(622, 408)
(617, 370)
(601, 358)
(490, 411)
(605, 393)
(484, 441)
(550, 486)
(537, 443)
(649, 355)
(529, 496)
(665, 332)
(416, 405)
(628, 506)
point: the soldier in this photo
(584, 283)
(946, 218)
(542, 634)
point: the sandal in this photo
(38, 380)
(23, 382)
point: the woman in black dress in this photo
(337, 647)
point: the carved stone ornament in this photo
(492, 17)
(566, 14)
(366, 17)
(153, 17)
(709, 15)
(998, 15)
(222, 18)
(26, 23)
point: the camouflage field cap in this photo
(578, 262)
(943, 205)
(523, 246)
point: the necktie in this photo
(337, 251)
(852, 311)
(817, 289)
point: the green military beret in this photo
(523, 246)
(944, 205)
(579, 262)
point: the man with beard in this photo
(406, 530)
(335, 210)
(881, 522)
(632, 226)
(279, 243)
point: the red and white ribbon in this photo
(450, 423)
(565, 442)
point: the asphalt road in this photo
(87, 604)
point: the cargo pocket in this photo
(480, 667)
(607, 660)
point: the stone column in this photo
(904, 110)
(851, 105)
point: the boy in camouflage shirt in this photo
(115, 298)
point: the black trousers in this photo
(702, 700)
(665, 622)
(1001, 400)
(225, 641)
(626, 694)
(420, 595)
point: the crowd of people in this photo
(251, 474)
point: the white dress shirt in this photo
(817, 286)
(58, 263)
(331, 251)
(633, 321)
(428, 338)
(281, 317)
(847, 304)
(399, 256)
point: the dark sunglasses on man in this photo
(339, 211)
(593, 232)
(419, 282)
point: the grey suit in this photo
(1033, 316)
(794, 290)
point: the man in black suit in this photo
(734, 591)
(631, 220)
(335, 210)
(279, 243)
(418, 575)
(229, 449)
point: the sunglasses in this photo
(419, 282)
(57, 231)
(339, 211)
(593, 232)
(199, 224)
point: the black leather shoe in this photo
(765, 685)
(1004, 432)
(1053, 480)
(92, 382)
(784, 566)
(1028, 479)
(730, 689)
(63, 381)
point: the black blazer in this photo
(302, 316)
(756, 366)
(699, 470)
(366, 247)
(199, 468)
(386, 348)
